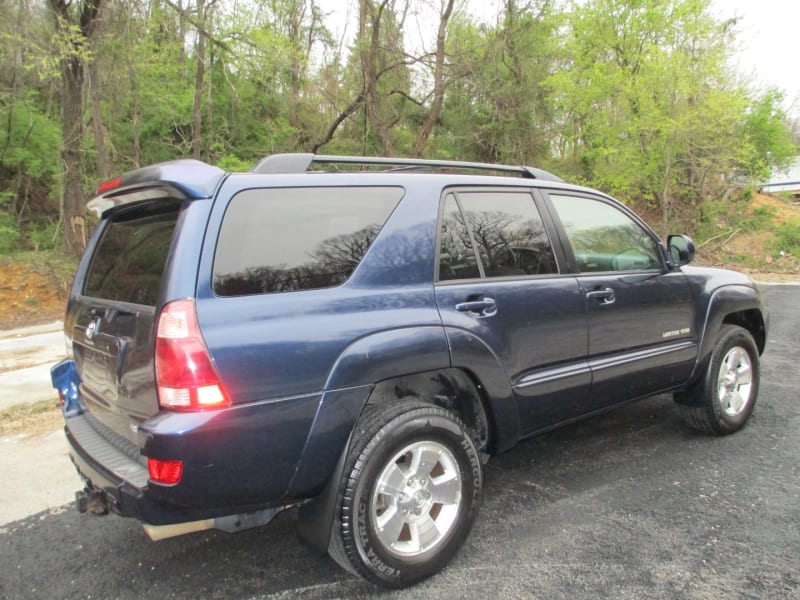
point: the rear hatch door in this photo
(113, 315)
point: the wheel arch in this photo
(450, 388)
(753, 321)
(425, 362)
(453, 389)
(731, 305)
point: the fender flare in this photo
(388, 354)
(471, 354)
(365, 362)
(723, 302)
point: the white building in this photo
(785, 181)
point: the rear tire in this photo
(410, 493)
(723, 400)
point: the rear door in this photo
(641, 314)
(113, 315)
(500, 282)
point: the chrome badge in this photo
(91, 329)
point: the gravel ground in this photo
(629, 505)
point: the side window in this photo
(603, 238)
(505, 228)
(457, 257)
(281, 240)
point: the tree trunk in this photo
(135, 127)
(439, 83)
(197, 110)
(368, 49)
(666, 197)
(72, 123)
(101, 153)
(373, 15)
(72, 105)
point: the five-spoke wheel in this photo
(735, 382)
(411, 493)
(723, 399)
(416, 498)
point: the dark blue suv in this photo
(356, 336)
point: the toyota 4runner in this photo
(356, 336)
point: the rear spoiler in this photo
(186, 178)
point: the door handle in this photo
(604, 296)
(485, 307)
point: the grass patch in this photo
(55, 263)
(787, 238)
(762, 217)
(39, 418)
(718, 216)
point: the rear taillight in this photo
(185, 375)
(167, 472)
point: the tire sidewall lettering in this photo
(400, 431)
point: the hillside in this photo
(762, 239)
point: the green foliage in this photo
(497, 109)
(718, 217)
(760, 218)
(233, 163)
(9, 234)
(44, 236)
(632, 97)
(787, 239)
(766, 140)
(29, 139)
(646, 107)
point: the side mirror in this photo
(681, 250)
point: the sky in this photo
(767, 54)
(767, 40)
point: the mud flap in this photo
(317, 515)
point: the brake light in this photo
(108, 185)
(185, 375)
(167, 472)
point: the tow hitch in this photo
(94, 502)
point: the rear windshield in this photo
(129, 259)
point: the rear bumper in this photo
(121, 478)
(236, 460)
(124, 480)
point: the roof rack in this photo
(300, 163)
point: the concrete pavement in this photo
(36, 471)
(26, 356)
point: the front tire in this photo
(410, 494)
(724, 399)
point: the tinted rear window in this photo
(129, 260)
(280, 240)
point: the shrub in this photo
(787, 238)
(44, 236)
(9, 233)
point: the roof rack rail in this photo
(300, 163)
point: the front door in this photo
(641, 314)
